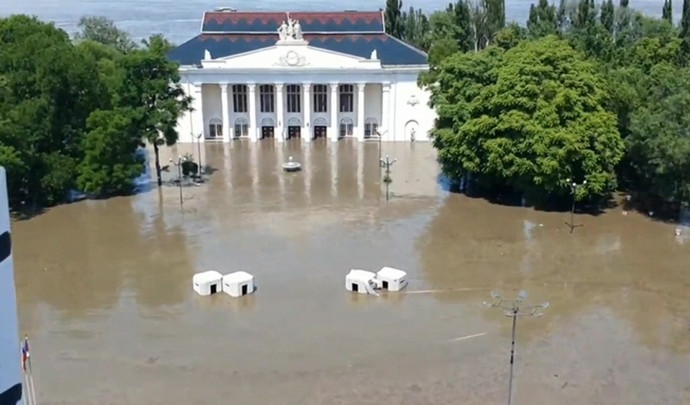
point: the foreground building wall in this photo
(10, 366)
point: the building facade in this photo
(282, 75)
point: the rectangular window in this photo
(346, 97)
(239, 98)
(266, 98)
(320, 98)
(294, 98)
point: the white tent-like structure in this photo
(391, 279)
(361, 281)
(207, 282)
(238, 284)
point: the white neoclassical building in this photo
(285, 75)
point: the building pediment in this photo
(291, 55)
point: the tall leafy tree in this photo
(393, 18)
(667, 11)
(104, 31)
(151, 87)
(110, 162)
(685, 20)
(49, 89)
(527, 119)
(542, 19)
(608, 15)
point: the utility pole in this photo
(573, 190)
(513, 309)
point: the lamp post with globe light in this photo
(573, 190)
(514, 308)
(386, 163)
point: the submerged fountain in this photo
(291, 165)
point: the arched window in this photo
(241, 128)
(215, 129)
(371, 127)
(346, 127)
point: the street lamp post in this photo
(198, 144)
(573, 190)
(180, 160)
(386, 163)
(513, 309)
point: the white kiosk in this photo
(391, 279)
(361, 281)
(238, 284)
(207, 282)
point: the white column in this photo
(306, 164)
(306, 125)
(333, 107)
(253, 130)
(385, 110)
(226, 112)
(279, 112)
(197, 124)
(360, 111)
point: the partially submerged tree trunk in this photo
(158, 164)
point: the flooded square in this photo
(104, 291)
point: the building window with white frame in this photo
(347, 96)
(266, 98)
(215, 129)
(371, 128)
(239, 98)
(320, 98)
(346, 127)
(294, 98)
(241, 128)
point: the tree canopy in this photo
(72, 114)
(528, 119)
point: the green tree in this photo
(110, 163)
(49, 89)
(151, 86)
(685, 20)
(624, 3)
(542, 19)
(495, 15)
(393, 18)
(527, 119)
(463, 22)
(608, 15)
(510, 36)
(659, 140)
(667, 11)
(104, 31)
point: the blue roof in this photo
(232, 22)
(390, 50)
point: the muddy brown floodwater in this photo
(104, 290)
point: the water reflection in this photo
(587, 271)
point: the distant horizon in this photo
(181, 22)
